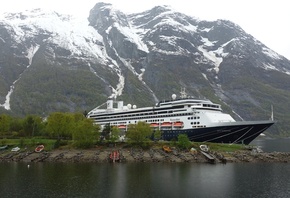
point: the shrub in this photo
(183, 141)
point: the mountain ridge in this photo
(52, 62)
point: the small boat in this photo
(193, 150)
(167, 149)
(114, 156)
(15, 149)
(204, 148)
(3, 147)
(39, 148)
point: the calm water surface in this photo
(272, 145)
(257, 180)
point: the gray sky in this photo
(266, 20)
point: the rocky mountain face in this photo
(51, 62)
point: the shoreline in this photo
(133, 155)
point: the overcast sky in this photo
(267, 20)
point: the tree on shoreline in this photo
(139, 133)
(114, 135)
(5, 121)
(32, 125)
(85, 133)
(60, 125)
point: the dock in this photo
(209, 157)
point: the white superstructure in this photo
(200, 119)
(182, 113)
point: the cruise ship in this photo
(200, 119)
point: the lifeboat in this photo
(154, 125)
(166, 124)
(178, 124)
(122, 126)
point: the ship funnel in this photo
(110, 104)
(120, 104)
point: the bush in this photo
(183, 141)
(59, 142)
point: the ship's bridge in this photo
(214, 117)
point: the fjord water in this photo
(273, 145)
(145, 180)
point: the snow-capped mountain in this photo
(52, 62)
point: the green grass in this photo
(50, 144)
(212, 146)
(223, 147)
(28, 143)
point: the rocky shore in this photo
(130, 155)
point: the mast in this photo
(272, 114)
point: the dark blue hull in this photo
(236, 133)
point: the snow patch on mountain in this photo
(129, 31)
(216, 56)
(140, 77)
(30, 54)
(129, 66)
(168, 19)
(207, 42)
(268, 66)
(206, 29)
(73, 34)
(271, 53)
(120, 87)
(169, 40)
(96, 74)
(211, 56)
(132, 36)
(205, 76)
